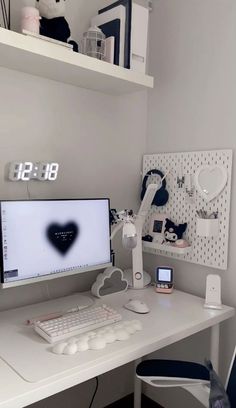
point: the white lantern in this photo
(94, 43)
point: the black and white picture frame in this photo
(157, 227)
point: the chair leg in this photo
(215, 339)
(137, 386)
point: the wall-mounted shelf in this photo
(155, 248)
(36, 57)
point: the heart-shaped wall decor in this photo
(62, 237)
(210, 181)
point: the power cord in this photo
(95, 392)
(28, 191)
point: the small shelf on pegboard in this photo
(155, 248)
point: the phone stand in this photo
(213, 292)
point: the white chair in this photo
(192, 377)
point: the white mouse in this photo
(137, 306)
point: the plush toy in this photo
(53, 23)
(174, 232)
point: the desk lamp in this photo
(132, 238)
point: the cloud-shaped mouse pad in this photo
(108, 282)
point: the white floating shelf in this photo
(33, 56)
(154, 248)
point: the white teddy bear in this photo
(53, 23)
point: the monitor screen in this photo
(43, 239)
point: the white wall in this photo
(192, 108)
(99, 141)
(193, 59)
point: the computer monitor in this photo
(45, 239)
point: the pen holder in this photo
(207, 227)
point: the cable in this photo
(28, 191)
(48, 292)
(3, 13)
(9, 14)
(113, 257)
(95, 392)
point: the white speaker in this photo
(213, 292)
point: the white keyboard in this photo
(98, 339)
(75, 323)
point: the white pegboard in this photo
(209, 251)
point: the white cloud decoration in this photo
(110, 281)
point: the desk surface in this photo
(172, 318)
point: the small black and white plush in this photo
(174, 232)
(53, 23)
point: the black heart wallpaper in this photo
(62, 237)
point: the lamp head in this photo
(129, 235)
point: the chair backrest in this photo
(231, 381)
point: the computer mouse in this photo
(137, 306)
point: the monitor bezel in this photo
(50, 276)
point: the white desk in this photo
(172, 318)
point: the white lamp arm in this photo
(138, 221)
(147, 200)
(137, 252)
(116, 229)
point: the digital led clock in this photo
(25, 171)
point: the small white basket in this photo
(207, 227)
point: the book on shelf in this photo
(136, 18)
(110, 50)
(112, 30)
(112, 23)
(128, 22)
